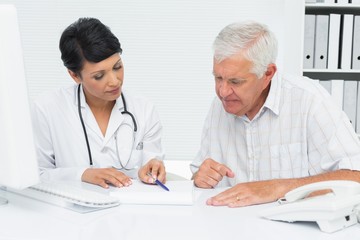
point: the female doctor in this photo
(93, 130)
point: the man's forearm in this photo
(343, 174)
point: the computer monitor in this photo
(18, 163)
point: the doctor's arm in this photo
(45, 149)
(153, 153)
(105, 176)
(52, 163)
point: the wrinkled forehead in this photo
(231, 66)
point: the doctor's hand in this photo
(250, 193)
(156, 168)
(211, 173)
(105, 176)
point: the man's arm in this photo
(251, 193)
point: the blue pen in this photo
(158, 182)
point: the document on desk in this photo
(181, 193)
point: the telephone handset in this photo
(332, 212)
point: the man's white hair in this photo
(251, 39)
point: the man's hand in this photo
(157, 170)
(211, 173)
(245, 194)
(105, 176)
(250, 193)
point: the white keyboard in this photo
(68, 196)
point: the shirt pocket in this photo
(287, 161)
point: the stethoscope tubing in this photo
(84, 128)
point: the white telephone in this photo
(332, 212)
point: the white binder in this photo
(350, 100)
(356, 44)
(326, 84)
(337, 91)
(309, 41)
(347, 38)
(358, 110)
(334, 40)
(321, 41)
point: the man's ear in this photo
(74, 76)
(270, 72)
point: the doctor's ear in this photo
(75, 76)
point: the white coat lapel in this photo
(116, 119)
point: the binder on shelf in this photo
(309, 41)
(325, 1)
(321, 41)
(334, 40)
(326, 84)
(356, 44)
(316, 80)
(337, 91)
(357, 127)
(350, 100)
(347, 38)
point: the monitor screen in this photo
(18, 163)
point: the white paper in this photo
(181, 193)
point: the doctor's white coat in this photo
(60, 142)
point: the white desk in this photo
(24, 218)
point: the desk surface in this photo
(24, 218)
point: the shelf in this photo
(341, 71)
(322, 8)
(326, 9)
(326, 74)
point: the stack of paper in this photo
(181, 193)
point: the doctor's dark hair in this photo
(87, 39)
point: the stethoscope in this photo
(86, 136)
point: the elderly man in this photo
(267, 133)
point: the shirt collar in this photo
(273, 99)
(119, 103)
(82, 96)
